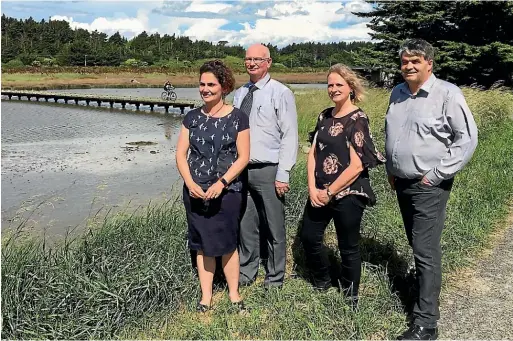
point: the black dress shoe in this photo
(416, 332)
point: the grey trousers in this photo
(423, 212)
(263, 221)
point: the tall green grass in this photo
(130, 277)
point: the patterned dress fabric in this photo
(334, 135)
(213, 225)
(213, 147)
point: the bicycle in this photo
(168, 95)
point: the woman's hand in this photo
(214, 191)
(314, 197)
(323, 197)
(196, 191)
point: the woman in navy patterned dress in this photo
(212, 151)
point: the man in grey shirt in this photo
(430, 136)
(274, 144)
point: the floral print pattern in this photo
(336, 129)
(330, 164)
(335, 136)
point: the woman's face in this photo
(338, 89)
(209, 88)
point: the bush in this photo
(14, 63)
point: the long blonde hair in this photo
(355, 82)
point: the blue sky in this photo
(238, 22)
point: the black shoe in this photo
(202, 308)
(245, 284)
(416, 332)
(268, 287)
(240, 307)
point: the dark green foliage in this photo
(473, 38)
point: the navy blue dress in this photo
(213, 225)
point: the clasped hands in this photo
(213, 192)
(319, 197)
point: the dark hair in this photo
(417, 47)
(223, 74)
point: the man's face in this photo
(415, 69)
(257, 62)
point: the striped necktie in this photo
(247, 102)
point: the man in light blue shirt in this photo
(271, 108)
(430, 136)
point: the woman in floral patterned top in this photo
(212, 151)
(338, 181)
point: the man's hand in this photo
(214, 191)
(391, 181)
(425, 181)
(281, 188)
(196, 191)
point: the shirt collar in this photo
(426, 87)
(260, 84)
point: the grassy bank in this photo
(63, 80)
(130, 277)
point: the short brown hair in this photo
(222, 72)
(355, 82)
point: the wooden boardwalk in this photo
(99, 99)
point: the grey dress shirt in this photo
(272, 125)
(431, 134)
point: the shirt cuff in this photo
(434, 180)
(282, 176)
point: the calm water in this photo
(64, 164)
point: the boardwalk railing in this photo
(99, 99)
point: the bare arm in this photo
(182, 149)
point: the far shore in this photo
(37, 81)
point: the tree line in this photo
(473, 42)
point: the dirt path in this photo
(479, 304)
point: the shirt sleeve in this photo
(187, 120)
(287, 121)
(464, 143)
(361, 140)
(311, 135)
(243, 121)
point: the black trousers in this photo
(347, 215)
(423, 211)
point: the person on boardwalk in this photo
(212, 151)
(341, 154)
(430, 136)
(271, 109)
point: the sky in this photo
(239, 22)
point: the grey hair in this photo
(417, 47)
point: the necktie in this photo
(247, 102)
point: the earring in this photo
(352, 95)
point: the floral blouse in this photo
(334, 135)
(213, 145)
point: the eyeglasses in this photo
(256, 60)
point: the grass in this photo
(123, 79)
(130, 277)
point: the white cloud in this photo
(125, 26)
(280, 23)
(199, 6)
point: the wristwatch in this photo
(330, 195)
(224, 182)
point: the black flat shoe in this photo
(240, 307)
(416, 332)
(202, 308)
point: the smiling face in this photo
(257, 62)
(415, 69)
(338, 88)
(209, 88)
